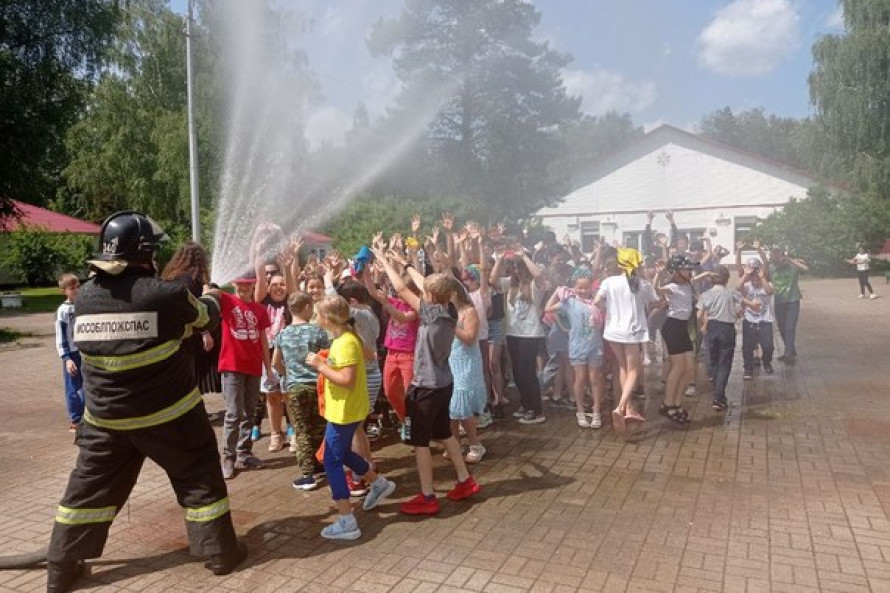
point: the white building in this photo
(713, 190)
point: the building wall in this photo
(709, 194)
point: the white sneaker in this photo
(873, 296)
(292, 444)
(475, 454)
(583, 422)
(596, 420)
(861, 296)
(690, 391)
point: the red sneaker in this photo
(420, 505)
(359, 488)
(464, 489)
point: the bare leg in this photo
(676, 380)
(633, 365)
(579, 386)
(595, 378)
(361, 444)
(469, 425)
(274, 400)
(425, 465)
(457, 460)
(497, 373)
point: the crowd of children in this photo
(441, 325)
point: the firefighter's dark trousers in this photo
(107, 467)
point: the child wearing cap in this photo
(243, 356)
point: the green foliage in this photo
(131, 148)
(502, 101)
(796, 142)
(39, 256)
(850, 87)
(356, 224)
(49, 51)
(825, 228)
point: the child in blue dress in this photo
(585, 343)
(470, 393)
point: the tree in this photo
(500, 98)
(825, 228)
(49, 53)
(588, 140)
(850, 87)
(356, 224)
(788, 140)
(130, 150)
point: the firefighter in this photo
(141, 401)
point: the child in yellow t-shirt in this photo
(345, 407)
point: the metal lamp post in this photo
(193, 137)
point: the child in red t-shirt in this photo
(243, 355)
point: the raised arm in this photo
(398, 284)
(533, 268)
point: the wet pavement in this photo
(789, 491)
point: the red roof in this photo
(313, 238)
(35, 216)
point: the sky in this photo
(661, 61)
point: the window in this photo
(634, 239)
(590, 234)
(743, 227)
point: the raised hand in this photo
(377, 240)
(756, 244)
(669, 215)
(448, 221)
(396, 257)
(415, 223)
(739, 245)
(474, 230)
(435, 236)
(395, 242)
(649, 216)
(379, 252)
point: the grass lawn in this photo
(35, 300)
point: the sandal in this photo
(665, 410)
(677, 415)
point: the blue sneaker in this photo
(255, 433)
(305, 483)
(290, 431)
(380, 489)
(345, 527)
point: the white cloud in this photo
(327, 124)
(749, 37)
(835, 20)
(602, 90)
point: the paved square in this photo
(789, 491)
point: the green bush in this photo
(38, 256)
(825, 229)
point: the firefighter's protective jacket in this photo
(130, 331)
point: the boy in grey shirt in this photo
(429, 397)
(717, 312)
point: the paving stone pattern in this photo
(789, 491)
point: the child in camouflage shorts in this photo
(292, 344)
